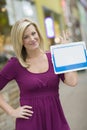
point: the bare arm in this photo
(21, 112)
(4, 105)
(71, 78)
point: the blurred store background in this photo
(52, 17)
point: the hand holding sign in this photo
(65, 37)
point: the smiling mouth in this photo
(33, 43)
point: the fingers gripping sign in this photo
(65, 38)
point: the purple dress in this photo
(39, 90)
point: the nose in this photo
(31, 38)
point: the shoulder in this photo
(13, 61)
(9, 70)
(48, 53)
(11, 64)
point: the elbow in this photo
(71, 79)
(74, 82)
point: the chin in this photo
(34, 48)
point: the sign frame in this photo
(75, 61)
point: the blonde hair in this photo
(17, 39)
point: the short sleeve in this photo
(8, 72)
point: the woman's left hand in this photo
(65, 37)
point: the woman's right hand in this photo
(22, 112)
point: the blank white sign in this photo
(65, 55)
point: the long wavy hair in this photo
(17, 32)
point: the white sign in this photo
(69, 57)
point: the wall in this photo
(11, 95)
(54, 6)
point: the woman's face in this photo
(31, 38)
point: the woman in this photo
(32, 69)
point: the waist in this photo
(37, 94)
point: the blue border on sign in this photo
(72, 67)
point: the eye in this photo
(33, 33)
(25, 37)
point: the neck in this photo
(35, 53)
